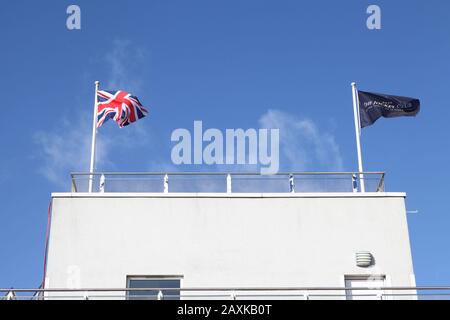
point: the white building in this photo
(237, 243)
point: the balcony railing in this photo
(290, 293)
(232, 182)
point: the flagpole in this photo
(358, 135)
(94, 137)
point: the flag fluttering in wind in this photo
(120, 106)
(373, 106)
(368, 107)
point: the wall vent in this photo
(364, 259)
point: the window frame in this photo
(130, 278)
(383, 277)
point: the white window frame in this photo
(387, 282)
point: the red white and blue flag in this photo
(120, 106)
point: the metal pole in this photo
(228, 183)
(354, 183)
(94, 136)
(358, 134)
(166, 183)
(102, 183)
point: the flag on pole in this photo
(120, 106)
(368, 107)
(373, 106)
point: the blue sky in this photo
(230, 64)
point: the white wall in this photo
(219, 240)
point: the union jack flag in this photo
(120, 106)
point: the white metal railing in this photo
(285, 293)
(228, 182)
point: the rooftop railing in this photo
(232, 182)
(285, 293)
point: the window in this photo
(156, 283)
(373, 283)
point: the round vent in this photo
(363, 259)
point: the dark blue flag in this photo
(372, 106)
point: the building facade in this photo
(229, 240)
